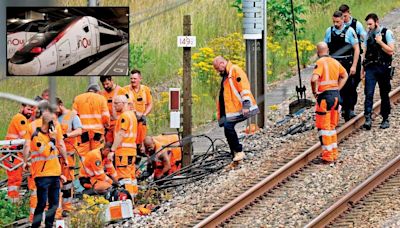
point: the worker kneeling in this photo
(166, 154)
(98, 172)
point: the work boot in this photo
(368, 122)
(352, 114)
(385, 124)
(239, 156)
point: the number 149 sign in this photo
(186, 41)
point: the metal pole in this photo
(93, 79)
(53, 88)
(187, 95)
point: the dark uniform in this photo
(377, 65)
(343, 51)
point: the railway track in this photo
(278, 179)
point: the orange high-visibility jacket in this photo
(128, 123)
(110, 96)
(174, 152)
(66, 126)
(18, 127)
(44, 153)
(94, 165)
(236, 92)
(93, 111)
(141, 99)
(328, 69)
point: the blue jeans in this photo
(48, 190)
(373, 74)
(231, 137)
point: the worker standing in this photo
(111, 90)
(343, 46)
(45, 144)
(142, 102)
(71, 128)
(328, 77)
(92, 110)
(17, 129)
(235, 103)
(377, 68)
(124, 146)
(361, 36)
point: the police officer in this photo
(361, 35)
(343, 46)
(377, 68)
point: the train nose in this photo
(29, 68)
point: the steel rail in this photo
(277, 177)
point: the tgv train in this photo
(64, 43)
(20, 31)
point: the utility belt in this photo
(85, 137)
(368, 62)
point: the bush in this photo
(10, 212)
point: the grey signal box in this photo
(253, 19)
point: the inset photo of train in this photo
(67, 41)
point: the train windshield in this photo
(58, 26)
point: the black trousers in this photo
(348, 93)
(48, 190)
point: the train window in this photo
(86, 29)
(17, 27)
(107, 38)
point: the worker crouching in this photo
(166, 154)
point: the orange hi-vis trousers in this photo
(125, 167)
(67, 188)
(14, 177)
(327, 118)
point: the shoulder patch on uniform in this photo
(38, 144)
(127, 95)
(316, 66)
(123, 120)
(139, 99)
(22, 122)
(238, 79)
(98, 163)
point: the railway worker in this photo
(111, 90)
(45, 144)
(44, 96)
(17, 129)
(124, 145)
(361, 36)
(142, 102)
(235, 104)
(71, 128)
(328, 77)
(377, 68)
(92, 176)
(167, 154)
(92, 109)
(43, 107)
(343, 46)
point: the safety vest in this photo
(93, 111)
(18, 127)
(93, 167)
(328, 70)
(128, 123)
(338, 43)
(236, 90)
(66, 126)
(374, 50)
(44, 156)
(140, 98)
(173, 151)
